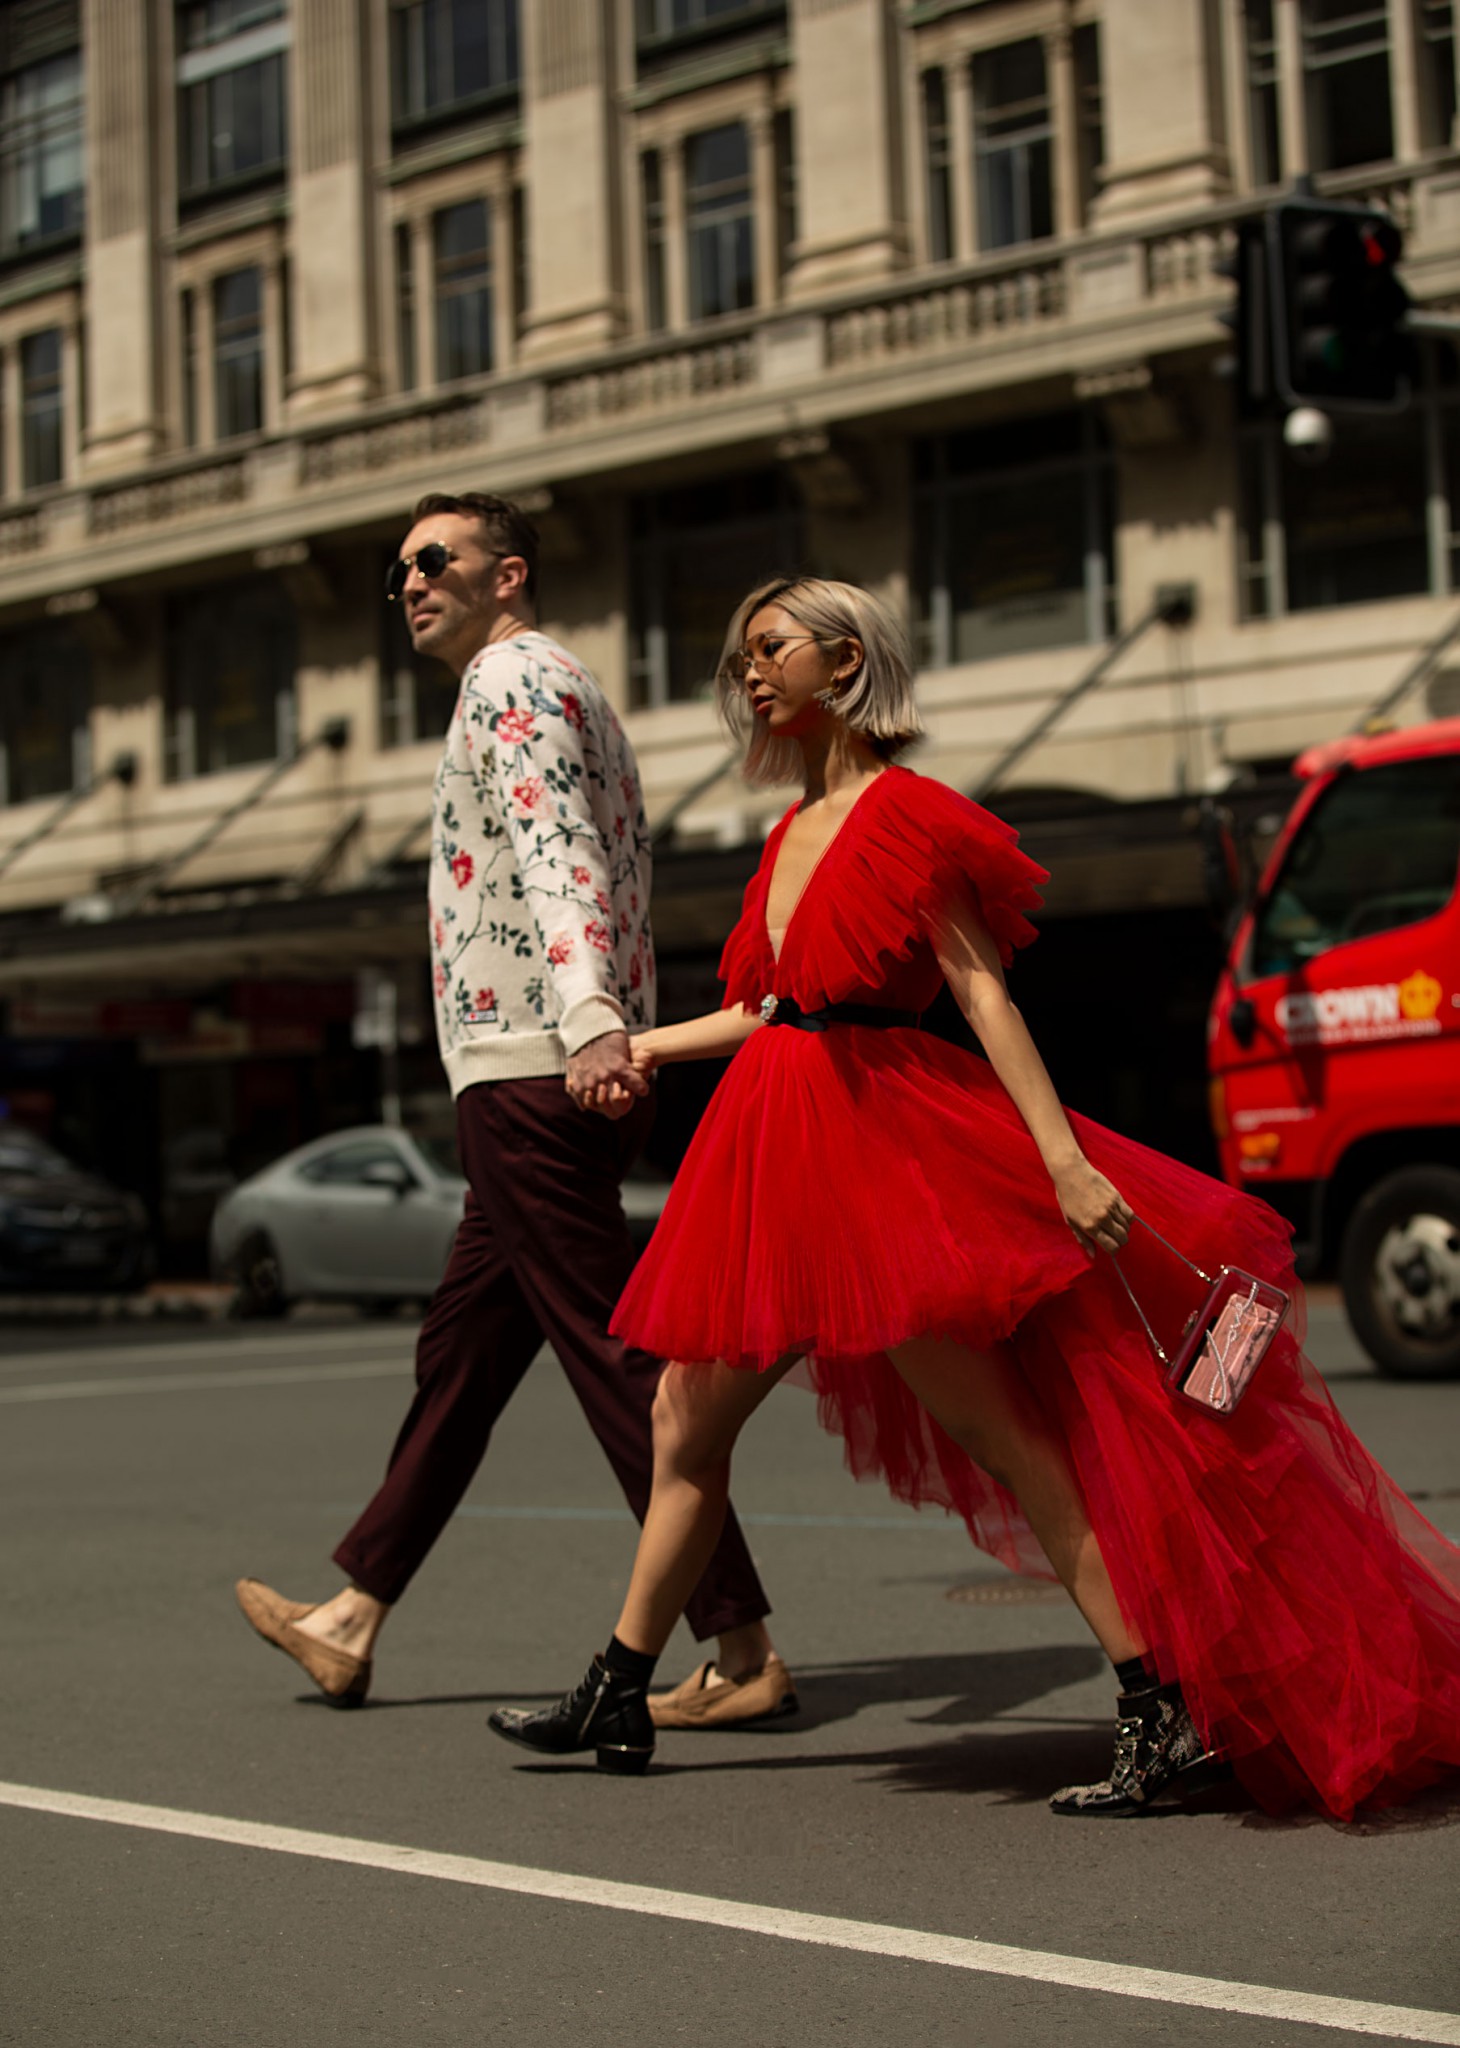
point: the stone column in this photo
(272, 301)
(961, 173)
(1163, 149)
(1059, 62)
(123, 333)
(504, 326)
(10, 419)
(423, 258)
(71, 344)
(205, 393)
(1292, 101)
(571, 165)
(1404, 83)
(853, 226)
(330, 238)
(676, 235)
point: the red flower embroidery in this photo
(515, 728)
(582, 877)
(600, 936)
(438, 934)
(462, 869)
(572, 710)
(560, 951)
(530, 797)
(618, 826)
(623, 923)
(630, 789)
(636, 972)
(438, 980)
(486, 999)
(603, 903)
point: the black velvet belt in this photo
(786, 1010)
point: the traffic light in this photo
(1250, 320)
(1338, 308)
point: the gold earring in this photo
(828, 698)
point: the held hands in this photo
(1095, 1210)
(606, 1075)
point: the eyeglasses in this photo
(764, 651)
(431, 560)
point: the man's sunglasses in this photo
(431, 560)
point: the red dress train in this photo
(853, 1188)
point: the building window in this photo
(1346, 81)
(1014, 539)
(695, 554)
(40, 408)
(230, 694)
(238, 353)
(1089, 115)
(1351, 531)
(662, 24)
(788, 190)
(1437, 57)
(232, 119)
(938, 165)
(1264, 139)
(720, 221)
(44, 710)
(451, 56)
(463, 291)
(42, 179)
(405, 306)
(188, 337)
(417, 695)
(656, 313)
(1013, 145)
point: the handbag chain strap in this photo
(1156, 1344)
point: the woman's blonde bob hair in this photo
(877, 701)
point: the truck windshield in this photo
(1378, 850)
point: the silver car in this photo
(367, 1215)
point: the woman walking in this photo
(928, 1231)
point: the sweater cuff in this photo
(589, 1018)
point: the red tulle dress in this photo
(853, 1188)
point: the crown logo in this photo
(1419, 996)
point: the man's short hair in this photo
(508, 529)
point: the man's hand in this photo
(602, 1075)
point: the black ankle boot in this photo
(607, 1713)
(1156, 1744)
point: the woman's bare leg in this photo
(989, 1409)
(699, 1411)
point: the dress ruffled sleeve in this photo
(970, 852)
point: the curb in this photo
(200, 1303)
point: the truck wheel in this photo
(1401, 1273)
(260, 1280)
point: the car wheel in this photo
(1401, 1273)
(260, 1280)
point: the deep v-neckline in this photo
(778, 953)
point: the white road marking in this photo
(204, 1382)
(864, 1937)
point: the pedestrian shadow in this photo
(970, 1687)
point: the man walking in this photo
(542, 960)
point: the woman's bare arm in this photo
(712, 1037)
(1094, 1209)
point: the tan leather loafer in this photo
(344, 1680)
(705, 1700)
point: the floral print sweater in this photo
(539, 890)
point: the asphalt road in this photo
(904, 1807)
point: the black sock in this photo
(1132, 1675)
(634, 1665)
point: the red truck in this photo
(1334, 1038)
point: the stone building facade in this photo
(923, 293)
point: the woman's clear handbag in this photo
(1225, 1339)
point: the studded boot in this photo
(1157, 1746)
(607, 1713)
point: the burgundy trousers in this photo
(542, 1253)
